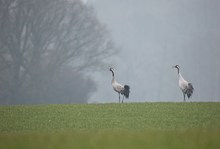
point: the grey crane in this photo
(185, 86)
(119, 88)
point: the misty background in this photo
(154, 36)
(55, 51)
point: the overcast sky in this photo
(155, 35)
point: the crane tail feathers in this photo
(189, 90)
(126, 91)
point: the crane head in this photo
(111, 69)
(176, 66)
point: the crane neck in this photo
(181, 77)
(113, 76)
(178, 71)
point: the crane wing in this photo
(118, 87)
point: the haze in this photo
(155, 35)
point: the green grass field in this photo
(102, 126)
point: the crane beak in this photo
(174, 67)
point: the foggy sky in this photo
(155, 35)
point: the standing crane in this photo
(184, 85)
(120, 89)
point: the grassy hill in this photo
(98, 126)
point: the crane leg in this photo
(119, 97)
(184, 97)
(123, 99)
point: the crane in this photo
(119, 88)
(185, 86)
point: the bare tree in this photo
(39, 37)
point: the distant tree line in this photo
(46, 46)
